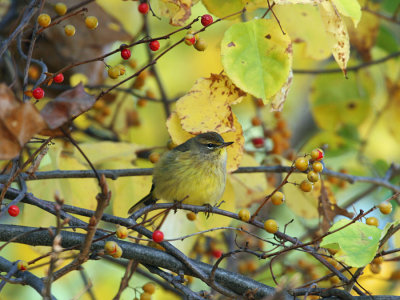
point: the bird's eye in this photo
(210, 146)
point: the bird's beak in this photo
(223, 145)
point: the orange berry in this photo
(378, 260)
(33, 72)
(113, 72)
(110, 247)
(244, 215)
(191, 216)
(372, 221)
(374, 268)
(278, 198)
(256, 121)
(271, 226)
(145, 296)
(118, 252)
(281, 124)
(60, 8)
(385, 208)
(200, 44)
(122, 232)
(149, 288)
(91, 22)
(301, 163)
(306, 186)
(44, 20)
(312, 176)
(154, 157)
(141, 102)
(317, 166)
(69, 30)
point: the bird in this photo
(193, 172)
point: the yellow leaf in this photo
(249, 187)
(108, 151)
(235, 151)
(364, 36)
(177, 10)
(279, 98)
(303, 23)
(335, 26)
(207, 106)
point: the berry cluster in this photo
(311, 163)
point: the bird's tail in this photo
(147, 200)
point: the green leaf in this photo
(349, 8)
(357, 243)
(257, 57)
(336, 101)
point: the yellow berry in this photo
(145, 296)
(200, 45)
(154, 157)
(271, 226)
(44, 20)
(122, 232)
(372, 221)
(91, 22)
(378, 260)
(110, 247)
(60, 8)
(385, 208)
(113, 72)
(306, 186)
(149, 288)
(69, 30)
(301, 163)
(317, 166)
(244, 215)
(22, 265)
(190, 39)
(317, 154)
(191, 216)
(117, 253)
(121, 69)
(278, 198)
(312, 176)
(374, 268)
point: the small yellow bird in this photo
(194, 172)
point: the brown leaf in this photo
(328, 210)
(18, 123)
(67, 106)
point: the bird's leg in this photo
(209, 209)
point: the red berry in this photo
(143, 8)
(58, 78)
(216, 253)
(206, 20)
(13, 210)
(38, 93)
(258, 142)
(125, 53)
(158, 236)
(154, 45)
